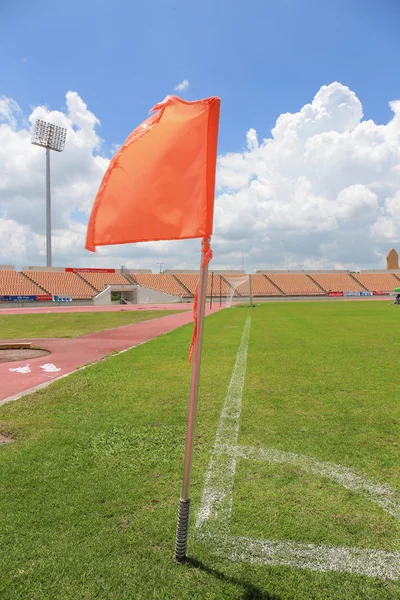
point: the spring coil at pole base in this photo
(182, 530)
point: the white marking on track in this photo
(213, 520)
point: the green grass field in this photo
(65, 325)
(89, 490)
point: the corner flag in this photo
(160, 186)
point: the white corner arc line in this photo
(216, 503)
(380, 494)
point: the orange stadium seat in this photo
(337, 282)
(101, 280)
(60, 283)
(161, 282)
(263, 287)
(378, 282)
(219, 285)
(188, 280)
(295, 284)
(15, 284)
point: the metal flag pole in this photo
(182, 529)
(212, 287)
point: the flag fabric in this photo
(160, 184)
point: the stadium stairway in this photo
(275, 286)
(88, 283)
(316, 283)
(359, 283)
(129, 278)
(190, 295)
(35, 282)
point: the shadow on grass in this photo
(251, 592)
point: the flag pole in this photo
(182, 529)
(212, 287)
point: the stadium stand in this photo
(15, 284)
(295, 284)
(384, 282)
(242, 289)
(219, 285)
(162, 282)
(59, 283)
(337, 282)
(101, 280)
(86, 284)
(263, 287)
(188, 280)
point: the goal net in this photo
(239, 289)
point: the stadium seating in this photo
(219, 285)
(263, 287)
(188, 280)
(337, 282)
(383, 282)
(60, 283)
(85, 285)
(101, 280)
(162, 282)
(15, 284)
(295, 284)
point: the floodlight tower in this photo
(51, 137)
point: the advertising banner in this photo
(22, 298)
(378, 293)
(366, 294)
(44, 298)
(353, 294)
(335, 293)
(62, 298)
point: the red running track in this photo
(71, 354)
(91, 308)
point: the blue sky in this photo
(324, 191)
(262, 57)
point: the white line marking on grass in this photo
(217, 494)
(362, 561)
(380, 494)
(213, 520)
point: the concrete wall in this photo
(266, 271)
(128, 292)
(147, 296)
(7, 268)
(56, 269)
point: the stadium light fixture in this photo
(161, 264)
(51, 137)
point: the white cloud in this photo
(182, 86)
(9, 110)
(322, 191)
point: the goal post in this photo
(241, 290)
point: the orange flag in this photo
(160, 183)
